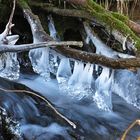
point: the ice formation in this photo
(103, 92)
(127, 86)
(9, 65)
(63, 74)
(40, 61)
(80, 82)
(53, 56)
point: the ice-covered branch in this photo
(102, 48)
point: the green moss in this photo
(120, 17)
(113, 20)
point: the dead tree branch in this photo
(27, 47)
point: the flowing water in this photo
(92, 123)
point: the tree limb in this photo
(27, 47)
(136, 122)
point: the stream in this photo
(92, 123)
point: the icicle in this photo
(40, 61)
(86, 78)
(100, 46)
(127, 86)
(40, 57)
(53, 32)
(124, 43)
(80, 83)
(53, 56)
(9, 65)
(78, 68)
(54, 62)
(103, 85)
(64, 69)
(63, 73)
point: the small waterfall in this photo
(9, 65)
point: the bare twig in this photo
(45, 100)
(136, 122)
(9, 24)
(27, 47)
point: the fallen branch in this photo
(120, 63)
(45, 100)
(86, 57)
(27, 47)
